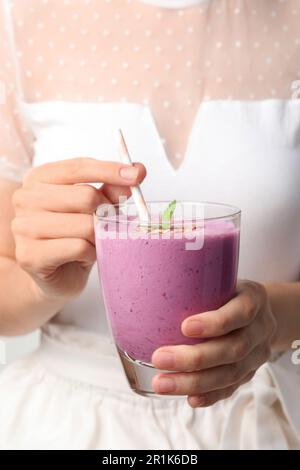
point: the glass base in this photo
(140, 375)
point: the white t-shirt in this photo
(203, 94)
(202, 90)
(206, 93)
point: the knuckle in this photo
(197, 384)
(28, 176)
(234, 373)
(82, 247)
(222, 323)
(249, 307)
(18, 198)
(196, 360)
(249, 285)
(229, 392)
(15, 226)
(248, 377)
(31, 230)
(269, 326)
(24, 256)
(77, 165)
(261, 292)
(22, 226)
(242, 347)
(90, 198)
(191, 382)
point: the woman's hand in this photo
(53, 225)
(241, 332)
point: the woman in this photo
(202, 91)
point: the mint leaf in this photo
(166, 220)
(167, 215)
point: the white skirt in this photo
(72, 394)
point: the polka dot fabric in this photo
(15, 140)
(170, 59)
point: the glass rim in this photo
(235, 211)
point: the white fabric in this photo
(241, 152)
(57, 399)
(229, 142)
(253, 417)
(171, 59)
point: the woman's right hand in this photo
(53, 225)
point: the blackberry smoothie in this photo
(151, 285)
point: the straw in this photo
(136, 190)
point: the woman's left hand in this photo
(241, 332)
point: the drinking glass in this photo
(155, 274)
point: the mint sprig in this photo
(167, 215)
(166, 220)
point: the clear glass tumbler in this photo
(156, 274)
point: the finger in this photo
(51, 225)
(237, 313)
(114, 193)
(38, 256)
(210, 398)
(216, 378)
(86, 170)
(59, 198)
(224, 350)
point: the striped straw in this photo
(136, 190)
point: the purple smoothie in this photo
(151, 285)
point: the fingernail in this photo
(164, 360)
(166, 385)
(129, 172)
(194, 328)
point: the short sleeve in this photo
(15, 139)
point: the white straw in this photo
(136, 190)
